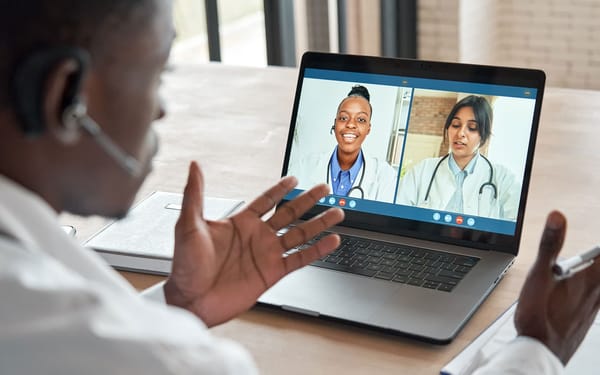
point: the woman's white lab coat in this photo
(378, 183)
(413, 188)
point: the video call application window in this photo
(409, 139)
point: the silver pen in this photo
(568, 267)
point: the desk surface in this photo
(235, 121)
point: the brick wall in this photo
(561, 37)
(428, 114)
(437, 33)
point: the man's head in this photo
(107, 54)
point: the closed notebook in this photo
(144, 239)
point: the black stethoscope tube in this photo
(488, 183)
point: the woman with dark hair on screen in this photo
(464, 180)
(348, 170)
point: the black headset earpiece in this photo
(332, 129)
(30, 78)
(28, 87)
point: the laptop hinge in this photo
(300, 310)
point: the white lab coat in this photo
(378, 183)
(413, 188)
(65, 311)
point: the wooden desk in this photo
(235, 120)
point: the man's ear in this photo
(45, 81)
(60, 93)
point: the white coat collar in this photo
(28, 219)
(23, 213)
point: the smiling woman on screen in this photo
(348, 170)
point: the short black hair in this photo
(27, 26)
(483, 115)
(359, 91)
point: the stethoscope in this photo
(360, 181)
(488, 183)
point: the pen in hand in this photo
(568, 267)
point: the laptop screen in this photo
(418, 154)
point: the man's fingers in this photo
(530, 317)
(293, 210)
(320, 249)
(552, 240)
(193, 199)
(300, 234)
(267, 200)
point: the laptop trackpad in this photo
(313, 290)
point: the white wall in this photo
(477, 31)
(510, 133)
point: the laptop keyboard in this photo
(402, 264)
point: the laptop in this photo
(410, 264)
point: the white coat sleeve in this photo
(522, 356)
(386, 182)
(54, 321)
(407, 188)
(155, 293)
(509, 193)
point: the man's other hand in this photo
(558, 313)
